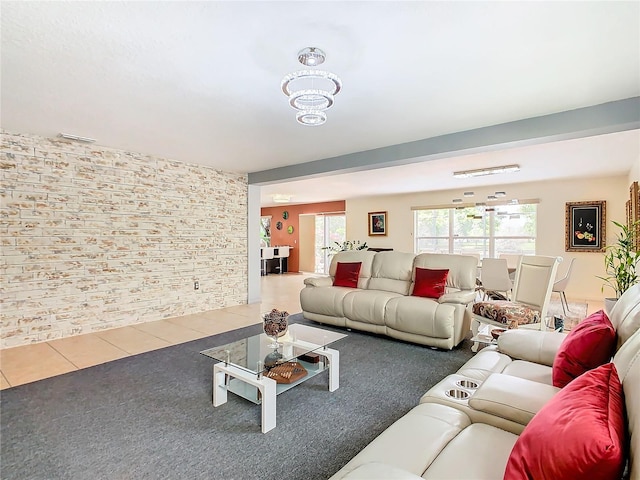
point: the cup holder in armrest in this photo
(457, 394)
(467, 384)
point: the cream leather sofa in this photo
(471, 437)
(383, 303)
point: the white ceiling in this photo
(200, 81)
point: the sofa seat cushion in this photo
(503, 311)
(529, 370)
(367, 306)
(413, 441)
(421, 316)
(327, 301)
(480, 451)
(489, 360)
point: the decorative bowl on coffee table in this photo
(275, 324)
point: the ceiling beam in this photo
(600, 119)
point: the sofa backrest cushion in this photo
(430, 283)
(462, 269)
(627, 362)
(579, 433)
(625, 315)
(351, 256)
(588, 345)
(347, 274)
(391, 271)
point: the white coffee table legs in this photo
(222, 374)
(266, 386)
(333, 356)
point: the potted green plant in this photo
(346, 245)
(621, 262)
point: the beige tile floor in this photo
(20, 365)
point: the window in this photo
(477, 230)
(265, 231)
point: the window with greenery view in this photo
(480, 231)
(265, 231)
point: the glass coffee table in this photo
(247, 367)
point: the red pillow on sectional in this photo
(347, 274)
(590, 344)
(580, 433)
(430, 283)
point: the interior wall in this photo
(550, 222)
(283, 238)
(96, 238)
(634, 173)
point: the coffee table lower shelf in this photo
(251, 393)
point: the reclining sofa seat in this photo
(383, 303)
(438, 442)
(530, 354)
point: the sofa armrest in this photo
(379, 471)
(513, 398)
(318, 282)
(531, 345)
(462, 297)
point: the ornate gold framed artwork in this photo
(585, 226)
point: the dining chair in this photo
(494, 277)
(529, 301)
(512, 262)
(560, 285)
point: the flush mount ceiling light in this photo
(311, 92)
(77, 138)
(281, 198)
(481, 172)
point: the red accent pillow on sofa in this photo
(579, 434)
(590, 344)
(430, 283)
(347, 274)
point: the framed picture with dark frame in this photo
(377, 223)
(585, 226)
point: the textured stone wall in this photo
(96, 238)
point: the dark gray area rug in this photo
(151, 415)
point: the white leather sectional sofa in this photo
(500, 391)
(383, 302)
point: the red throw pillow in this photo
(580, 433)
(347, 274)
(590, 344)
(430, 283)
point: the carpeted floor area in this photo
(150, 416)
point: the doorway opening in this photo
(330, 230)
